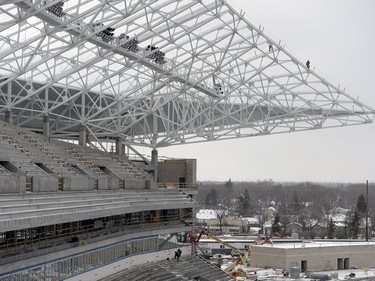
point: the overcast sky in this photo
(338, 38)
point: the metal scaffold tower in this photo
(157, 73)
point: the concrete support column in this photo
(83, 136)
(154, 162)
(9, 117)
(193, 229)
(157, 215)
(119, 146)
(346, 263)
(46, 126)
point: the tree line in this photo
(305, 202)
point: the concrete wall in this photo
(12, 184)
(103, 183)
(113, 183)
(319, 258)
(174, 169)
(262, 256)
(134, 183)
(45, 184)
(78, 183)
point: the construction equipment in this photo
(217, 86)
(242, 254)
(268, 239)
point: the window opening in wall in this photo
(340, 263)
(44, 168)
(78, 170)
(104, 169)
(6, 166)
(60, 184)
(304, 266)
(121, 184)
(182, 181)
(29, 184)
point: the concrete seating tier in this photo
(18, 211)
(30, 148)
(33, 155)
(119, 166)
(42, 198)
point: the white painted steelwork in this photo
(157, 73)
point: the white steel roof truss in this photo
(79, 79)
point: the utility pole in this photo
(366, 210)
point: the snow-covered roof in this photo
(340, 210)
(271, 209)
(251, 220)
(317, 244)
(294, 223)
(206, 214)
(338, 218)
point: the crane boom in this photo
(238, 251)
(242, 254)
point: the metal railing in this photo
(175, 185)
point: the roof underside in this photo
(157, 73)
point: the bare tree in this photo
(221, 215)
